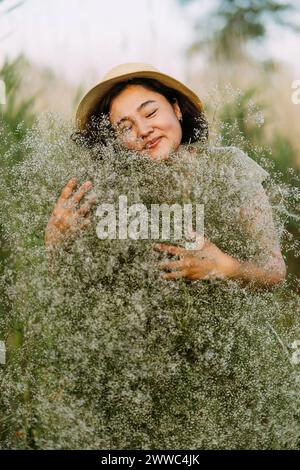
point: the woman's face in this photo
(140, 115)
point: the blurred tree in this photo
(13, 7)
(229, 28)
(16, 116)
(8, 10)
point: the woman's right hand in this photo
(67, 219)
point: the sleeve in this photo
(247, 167)
(254, 211)
(257, 222)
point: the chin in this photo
(161, 152)
(159, 156)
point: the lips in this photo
(153, 143)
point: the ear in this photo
(177, 109)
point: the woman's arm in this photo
(256, 218)
(266, 276)
(207, 261)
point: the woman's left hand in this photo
(206, 261)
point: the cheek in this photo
(171, 124)
(130, 143)
(172, 130)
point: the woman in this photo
(115, 357)
(155, 115)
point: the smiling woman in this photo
(154, 124)
(155, 115)
(165, 97)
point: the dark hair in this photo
(194, 123)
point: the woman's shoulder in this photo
(233, 159)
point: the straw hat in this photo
(92, 98)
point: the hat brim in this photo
(92, 98)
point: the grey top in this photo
(233, 160)
(237, 213)
(242, 162)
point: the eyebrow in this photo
(141, 106)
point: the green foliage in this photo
(240, 121)
(16, 116)
(15, 119)
(232, 24)
(283, 152)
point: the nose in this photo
(144, 129)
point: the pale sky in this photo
(81, 40)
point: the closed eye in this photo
(127, 129)
(152, 113)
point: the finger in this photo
(76, 227)
(83, 210)
(85, 224)
(173, 250)
(175, 274)
(189, 273)
(173, 264)
(67, 191)
(196, 274)
(82, 190)
(93, 199)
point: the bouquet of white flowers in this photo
(104, 353)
